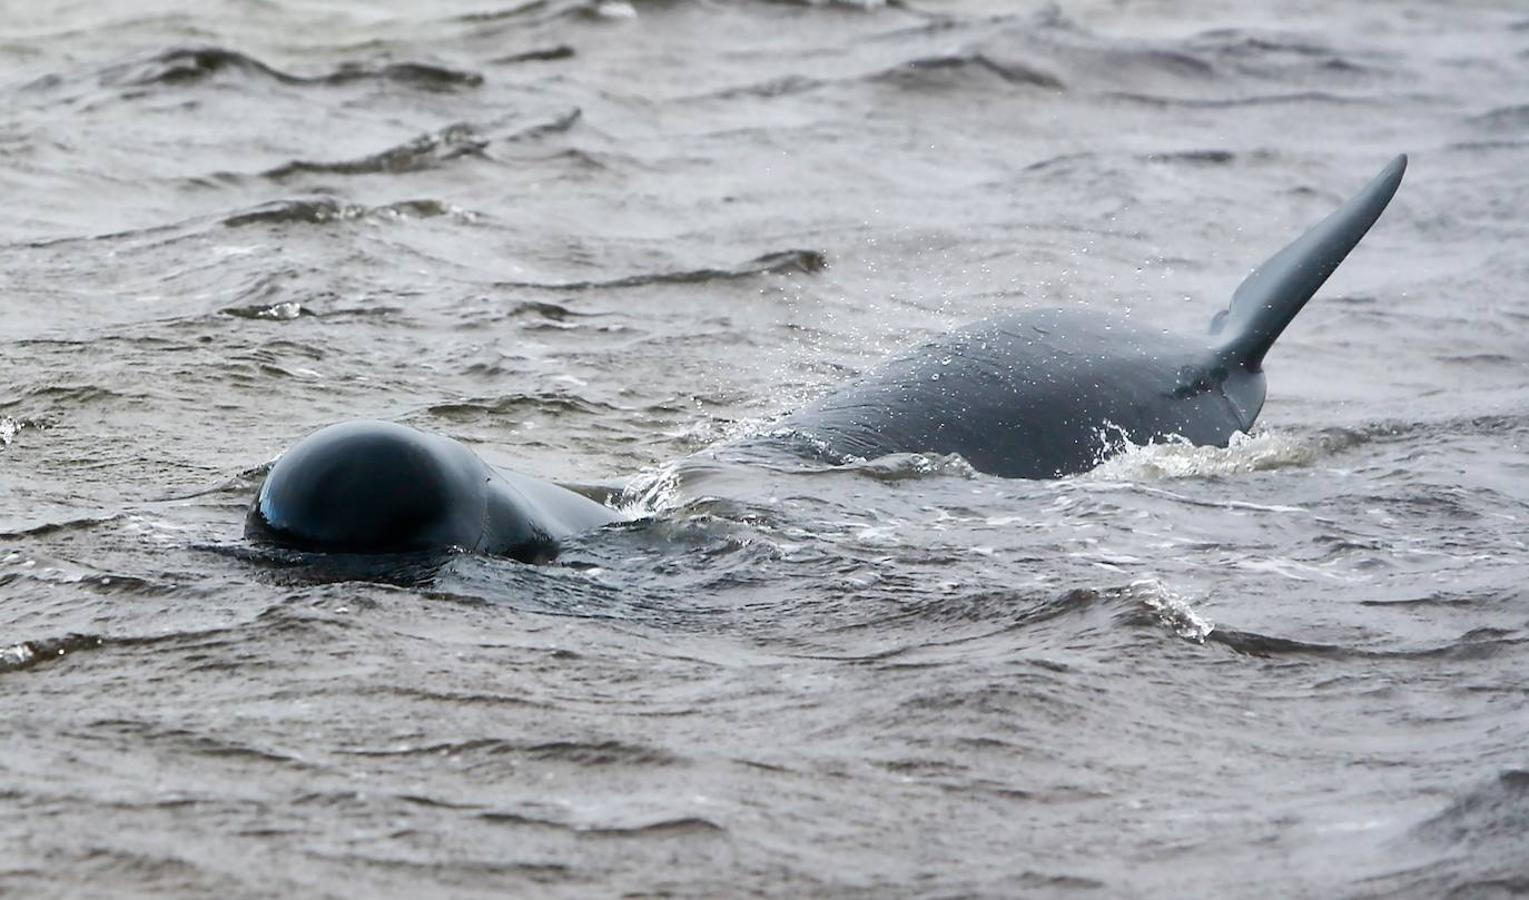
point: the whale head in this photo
(378, 487)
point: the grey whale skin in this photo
(377, 487)
(1047, 393)
(1030, 394)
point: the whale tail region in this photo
(1269, 299)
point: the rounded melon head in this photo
(372, 487)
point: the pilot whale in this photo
(1029, 394)
(378, 487)
(1044, 393)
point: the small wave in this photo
(556, 404)
(181, 65)
(1297, 97)
(1166, 157)
(428, 151)
(1170, 608)
(1251, 643)
(1109, 62)
(1505, 797)
(282, 566)
(40, 529)
(63, 574)
(1485, 147)
(936, 72)
(605, 10)
(540, 12)
(680, 827)
(685, 826)
(912, 466)
(542, 54)
(1143, 603)
(1263, 451)
(924, 73)
(653, 491)
(189, 65)
(322, 210)
(777, 263)
(511, 12)
(1063, 159)
(554, 312)
(71, 395)
(865, 5)
(602, 753)
(787, 449)
(284, 311)
(27, 654)
(205, 745)
(424, 152)
(1478, 643)
(419, 75)
(1504, 118)
(534, 315)
(1274, 54)
(11, 426)
(666, 509)
(555, 125)
(1207, 62)
(1192, 157)
(1239, 42)
(585, 753)
(783, 86)
(1480, 359)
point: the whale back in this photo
(1036, 393)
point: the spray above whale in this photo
(1029, 394)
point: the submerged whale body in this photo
(1047, 393)
(1032, 394)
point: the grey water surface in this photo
(597, 240)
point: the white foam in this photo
(1171, 608)
(652, 491)
(17, 655)
(1176, 457)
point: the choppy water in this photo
(594, 239)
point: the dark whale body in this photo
(1031, 394)
(1037, 394)
(378, 487)
(1047, 393)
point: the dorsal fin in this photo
(1270, 297)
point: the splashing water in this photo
(1176, 457)
(1171, 609)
